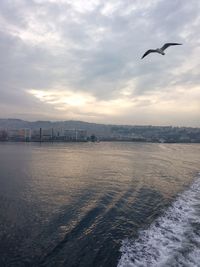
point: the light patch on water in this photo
(172, 240)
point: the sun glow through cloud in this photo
(159, 102)
(86, 103)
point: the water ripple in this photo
(172, 240)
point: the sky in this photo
(81, 60)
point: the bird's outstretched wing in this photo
(168, 44)
(148, 52)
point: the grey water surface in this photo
(99, 204)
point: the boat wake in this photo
(172, 240)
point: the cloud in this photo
(89, 52)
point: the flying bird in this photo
(159, 50)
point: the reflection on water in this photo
(73, 204)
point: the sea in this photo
(104, 204)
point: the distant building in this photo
(47, 134)
(75, 135)
(26, 134)
(35, 136)
(3, 135)
(19, 135)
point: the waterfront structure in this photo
(3, 135)
(23, 135)
(75, 135)
(162, 134)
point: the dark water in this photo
(99, 204)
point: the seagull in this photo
(159, 50)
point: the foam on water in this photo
(172, 240)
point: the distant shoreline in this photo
(100, 141)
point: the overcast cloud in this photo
(80, 59)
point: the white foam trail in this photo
(172, 240)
